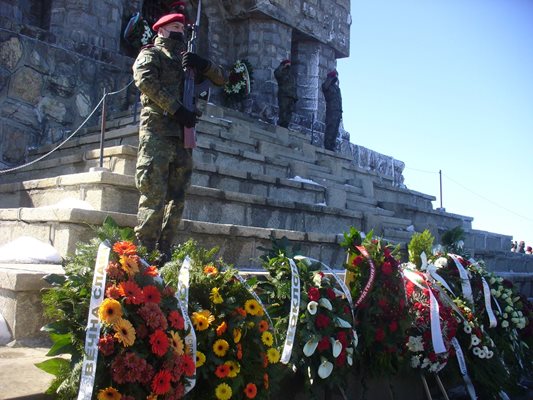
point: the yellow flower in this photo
(234, 368)
(151, 396)
(109, 393)
(237, 335)
(110, 311)
(252, 307)
(129, 264)
(273, 355)
(125, 333)
(177, 343)
(201, 320)
(220, 347)
(200, 358)
(223, 392)
(267, 338)
(215, 296)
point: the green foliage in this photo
(453, 241)
(420, 242)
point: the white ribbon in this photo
(432, 271)
(255, 296)
(94, 325)
(493, 323)
(462, 367)
(434, 316)
(293, 314)
(182, 295)
(465, 279)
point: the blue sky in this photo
(448, 85)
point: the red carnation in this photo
(313, 294)
(331, 293)
(106, 345)
(393, 326)
(323, 344)
(322, 321)
(386, 268)
(379, 335)
(159, 342)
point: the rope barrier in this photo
(5, 171)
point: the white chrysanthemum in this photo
(505, 324)
(474, 340)
(415, 361)
(441, 262)
(467, 328)
(415, 343)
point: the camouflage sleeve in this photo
(146, 71)
(215, 74)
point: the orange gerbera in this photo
(151, 294)
(159, 342)
(263, 325)
(222, 371)
(124, 332)
(241, 311)
(132, 292)
(125, 248)
(210, 270)
(109, 393)
(151, 271)
(110, 311)
(239, 351)
(266, 381)
(250, 391)
(188, 365)
(222, 328)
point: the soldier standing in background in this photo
(164, 166)
(287, 97)
(332, 94)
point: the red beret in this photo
(285, 62)
(332, 74)
(167, 19)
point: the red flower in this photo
(432, 357)
(386, 268)
(357, 260)
(189, 366)
(239, 351)
(106, 345)
(313, 294)
(383, 303)
(161, 382)
(250, 390)
(341, 359)
(379, 335)
(151, 294)
(168, 291)
(125, 248)
(322, 321)
(331, 293)
(159, 342)
(176, 320)
(151, 271)
(132, 292)
(222, 371)
(393, 326)
(113, 291)
(341, 337)
(323, 344)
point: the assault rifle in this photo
(189, 97)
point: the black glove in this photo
(185, 117)
(193, 60)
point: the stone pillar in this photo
(96, 23)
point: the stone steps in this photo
(281, 208)
(64, 228)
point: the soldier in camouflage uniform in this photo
(164, 166)
(332, 94)
(286, 92)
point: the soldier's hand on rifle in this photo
(187, 118)
(193, 60)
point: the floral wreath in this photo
(239, 81)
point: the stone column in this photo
(96, 23)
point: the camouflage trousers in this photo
(163, 175)
(286, 108)
(333, 120)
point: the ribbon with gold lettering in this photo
(94, 325)
(293, 314)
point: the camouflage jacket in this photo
(332, 94)
(286, 82)
(159, 75)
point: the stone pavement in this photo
(20, 379)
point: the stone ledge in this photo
(26, 277)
